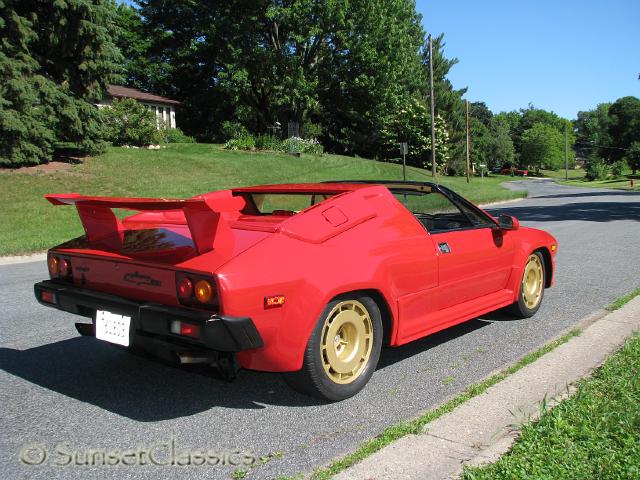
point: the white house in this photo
(164, 108)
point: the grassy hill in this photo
(181, 170)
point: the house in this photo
(164, 108)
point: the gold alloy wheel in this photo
(532, 282)
(346, 341)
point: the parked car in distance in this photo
(518, 172)
(310, 280)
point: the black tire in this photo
(523, 308)
(313, 379)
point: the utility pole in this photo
(467, 140)
(566, 153)
(433, 117)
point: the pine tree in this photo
(55, 62)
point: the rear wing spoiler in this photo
(208, 228)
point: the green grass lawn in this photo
(617, 183)
(181, 170)
(574, 174)
(577, 179)
(594, 434)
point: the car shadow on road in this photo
(392, 355)
(140, 388)
(587, 211)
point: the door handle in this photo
(444, 247)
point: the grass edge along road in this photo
(592, 434)
(416, 426)
(181, 170)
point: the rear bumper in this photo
(151, 321)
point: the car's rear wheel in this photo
(343, 350)
(531, 287)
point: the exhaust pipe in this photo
(225, 363)
(186, 358)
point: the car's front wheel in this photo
(343, 350)
(532, 286)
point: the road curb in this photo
(33, 257)
(482, 429)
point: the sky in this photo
(563, 55)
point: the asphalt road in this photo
(76, 396)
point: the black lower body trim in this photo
(217, 332)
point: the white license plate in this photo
(112, 327)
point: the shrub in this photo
(595, 169)
(617, 169)
(312, 130)
(268, 142)
(300, 145)
(313, 146)
(175, 135)
(128, 122)
(231, 130)
(246, 142)
(293, 145)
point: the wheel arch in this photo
(548, 265)
(383, 306)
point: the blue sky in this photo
(563, 55)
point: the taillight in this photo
(59, 267)
(196, 290)
(64, 267)
(204, 291)
(53, 263)
(185, 288)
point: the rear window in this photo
(281, 203)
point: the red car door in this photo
(472, 263)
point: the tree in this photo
(543, 146)
(346, 65)
(25, 133)
(413, 125)
(633, 157)
(56, 60)
(592, 131)
(502, 151)
(481, 142)
(480, 111)
(372, 68)
(624, 125)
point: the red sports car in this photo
(308, 279)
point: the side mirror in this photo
(507, 222)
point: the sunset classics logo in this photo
(161, 454)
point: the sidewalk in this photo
(483, 428)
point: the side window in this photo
(438, 213)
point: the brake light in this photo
(64, 267)
(185, 288)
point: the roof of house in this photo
(118, 91)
